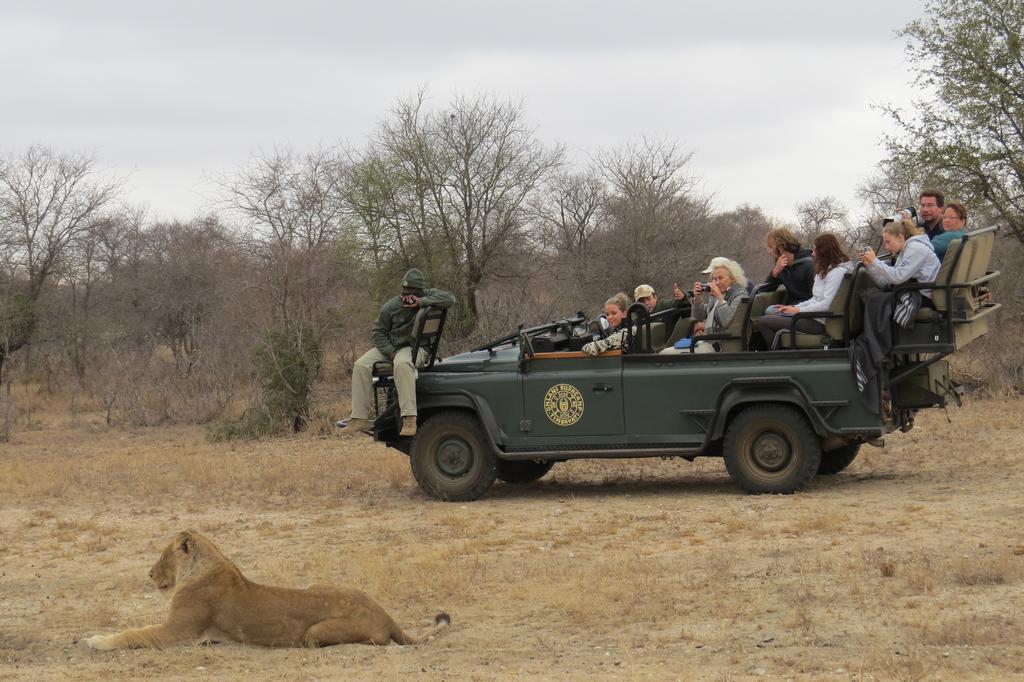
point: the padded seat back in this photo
(658, 334)
(953, 269)
(683, 328)
(763, 299)
(834, 326)
(427, 328)
(734, 329)
(983, 246)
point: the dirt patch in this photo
(909, 565)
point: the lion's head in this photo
(180, 553)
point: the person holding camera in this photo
(829, 269)
(915, 260)
(392, 341)
(715, 302)
(793, 266)
(929, 212)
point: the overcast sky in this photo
(774, 97)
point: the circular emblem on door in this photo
(563, 404)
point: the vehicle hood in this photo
(500, 360)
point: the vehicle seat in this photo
(427, 327)
(657, 336)
(758, 304)
(683, 328)
(730, 340)
(966, 262)
(835, 317)
(426, 336)
(953, 269)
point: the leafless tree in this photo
(740, 234)
(822, 214)
(657, 214)
(293, 210)
(448, 190)
(570, 211)
(47, 200)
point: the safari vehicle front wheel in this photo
(771, 449)
(451, 457)
(522, 470)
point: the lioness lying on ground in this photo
(213, 601)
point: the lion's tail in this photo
(441, 621)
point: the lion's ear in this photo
(186, 543)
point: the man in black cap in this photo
(392, 341)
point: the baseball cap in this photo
(716, 262)
(643, 291)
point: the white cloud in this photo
(774, 97)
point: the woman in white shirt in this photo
(829, 269)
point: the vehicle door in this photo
(671, 398)
(572, 397)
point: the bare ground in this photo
(907, 566)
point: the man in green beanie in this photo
(392, 340)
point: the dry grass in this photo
(907, 566)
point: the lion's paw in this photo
(101, 642)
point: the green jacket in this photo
(393, 328)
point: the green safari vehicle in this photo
(514, 407)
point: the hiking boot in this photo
(355, 425)
(408, 426)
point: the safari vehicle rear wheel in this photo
(835, 460)
(771, 449)
(522, 470)
(451, 457)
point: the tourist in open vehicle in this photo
(644, 293)
(954, 224)
(792, 266)
(829, 268)
(916, 259)
(715, 305)
(615, 311)
(930, 211)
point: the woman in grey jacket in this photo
(714, 305)
(916, 259)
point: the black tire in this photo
(522, 470)
(771, 449)
(834, 461)
(451, 457)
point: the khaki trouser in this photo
(405, 381)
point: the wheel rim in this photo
(454, 457)
(771, 452)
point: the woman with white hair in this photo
(715, 304)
